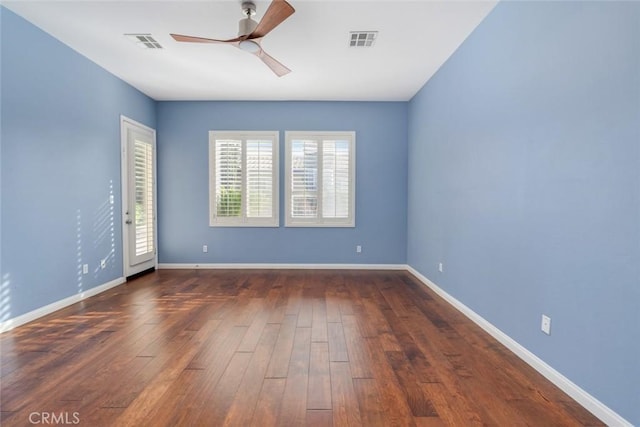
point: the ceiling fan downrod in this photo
(247, 25)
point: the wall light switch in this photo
(85, 268)
(205, 248)
(358, 249)
(440, 269)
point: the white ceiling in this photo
(414, 39)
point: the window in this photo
(243, 179)
(320, 179)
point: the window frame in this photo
(320, 221)
(243, 220)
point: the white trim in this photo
(589, 402)
(7, 325)
(242, 266)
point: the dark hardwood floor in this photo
(240, 348)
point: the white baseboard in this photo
(55, 306)
(593, 405)
(284, 266)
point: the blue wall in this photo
(60, 163)
(183, 189)
(524, 180)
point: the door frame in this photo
(125, 124)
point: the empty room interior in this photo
(373, 213)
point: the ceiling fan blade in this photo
(272, 63)
(278, 11)
(191, 39)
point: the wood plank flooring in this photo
(270, 348)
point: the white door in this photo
(138, 197)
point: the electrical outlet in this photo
(103, 264)
(440, 267)
(205, 248)
(358, 248)
(546, 324)
(85, 268)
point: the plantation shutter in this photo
(144, 207)
(243, 179)
(259, 184)
(304, 179)
(335, 179)
(228, 177)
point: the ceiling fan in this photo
(250, 32)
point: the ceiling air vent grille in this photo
(362, 38)
(144, 41)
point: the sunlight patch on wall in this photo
(79, 269)
(5, 297)
(104, 230)
(5, 303)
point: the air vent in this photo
(362, 38)
(144, 41)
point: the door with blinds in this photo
(139, 197)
